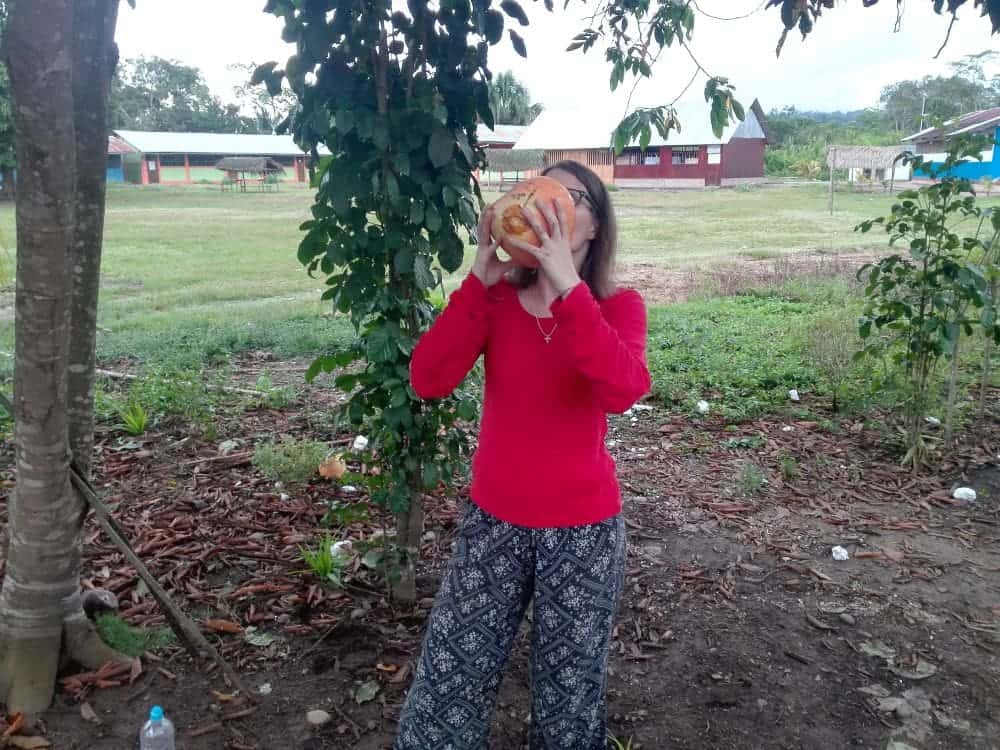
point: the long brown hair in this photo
(599, 267)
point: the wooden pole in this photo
(832, 158)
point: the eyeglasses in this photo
(579, 196)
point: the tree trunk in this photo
(40, 598)
(40, 582)
(94, 59)
(409, 529)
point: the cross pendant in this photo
(548, 339)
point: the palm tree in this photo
(511, 102)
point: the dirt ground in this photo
(737, 628)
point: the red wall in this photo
(665, 169)
(743, 157)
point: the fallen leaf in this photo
(366, 691)
(888, 705)
(28, 743)
(817, 623)
(876, 690)
(224, 626)
(877, 648)
(867, 555)
(920, 671)
(256, 638)
(893, 554)
(87, 713)
(223, 697)
(136, 671)
(386, 667)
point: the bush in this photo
(831, 342)
(290, 460)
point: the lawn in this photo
(183, 258)
(732, 511)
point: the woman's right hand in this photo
(488, 268)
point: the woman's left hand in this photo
(555, 256)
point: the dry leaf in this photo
(223, 697)
(224, 626)
(136, 671)
(29, 743)
(333, 468)
(87, 713)
(386, 667)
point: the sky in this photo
(843, 65)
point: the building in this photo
(691, 157)
(150, 157)
(185, 158)
(932, 143)
(118, 150)
(502, 137)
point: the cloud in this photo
(849, 57)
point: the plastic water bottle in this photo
(158, 732)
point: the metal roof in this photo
(506, 134)
(567, 129)
(117, 146)
(983, 119)
(153, 142)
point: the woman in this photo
(562, 349)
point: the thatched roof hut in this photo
(254, 164)
(862, 157)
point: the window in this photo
(651, 157)
(628, 158)
(684, 155)
(715, 154)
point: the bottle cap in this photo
(156, 714)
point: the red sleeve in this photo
(447, 351)
(608, 344)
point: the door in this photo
(153, 167)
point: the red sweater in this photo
(541, 460)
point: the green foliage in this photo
(129, 640)
(509, 99)
(151, 93)
(919, 304)
(323, 563)
(789, 468)
(273, 398)
(289, 460)
(134, 418)
(743, 354)
(396, 99)
(751, 480)
(660, 26)
(831, 343)
(799, 140)
(176, 393)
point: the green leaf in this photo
(381, 343)
(416, 212)
(518, 43)
(262, 73)
(422, 272)
(738, 111)
(494, 26)
(441, 147)
(366, 691)
(432, 219)
(431, 476)
(514, 10)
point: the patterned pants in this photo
(572, 576)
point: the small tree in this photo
(919, 305)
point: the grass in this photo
(290, 460)
(132, 641)
(192, 276)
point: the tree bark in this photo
(42, 559)
(409, 529)
(94, 61)
(40, 609)
(95, 56)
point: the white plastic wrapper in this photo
(343, 548)
(966, 494)
(840, 554)
(360, 443)
(794, 395)
(703, 407)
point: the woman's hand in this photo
(555, 255)
(488, 268)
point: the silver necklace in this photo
(546, 336)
